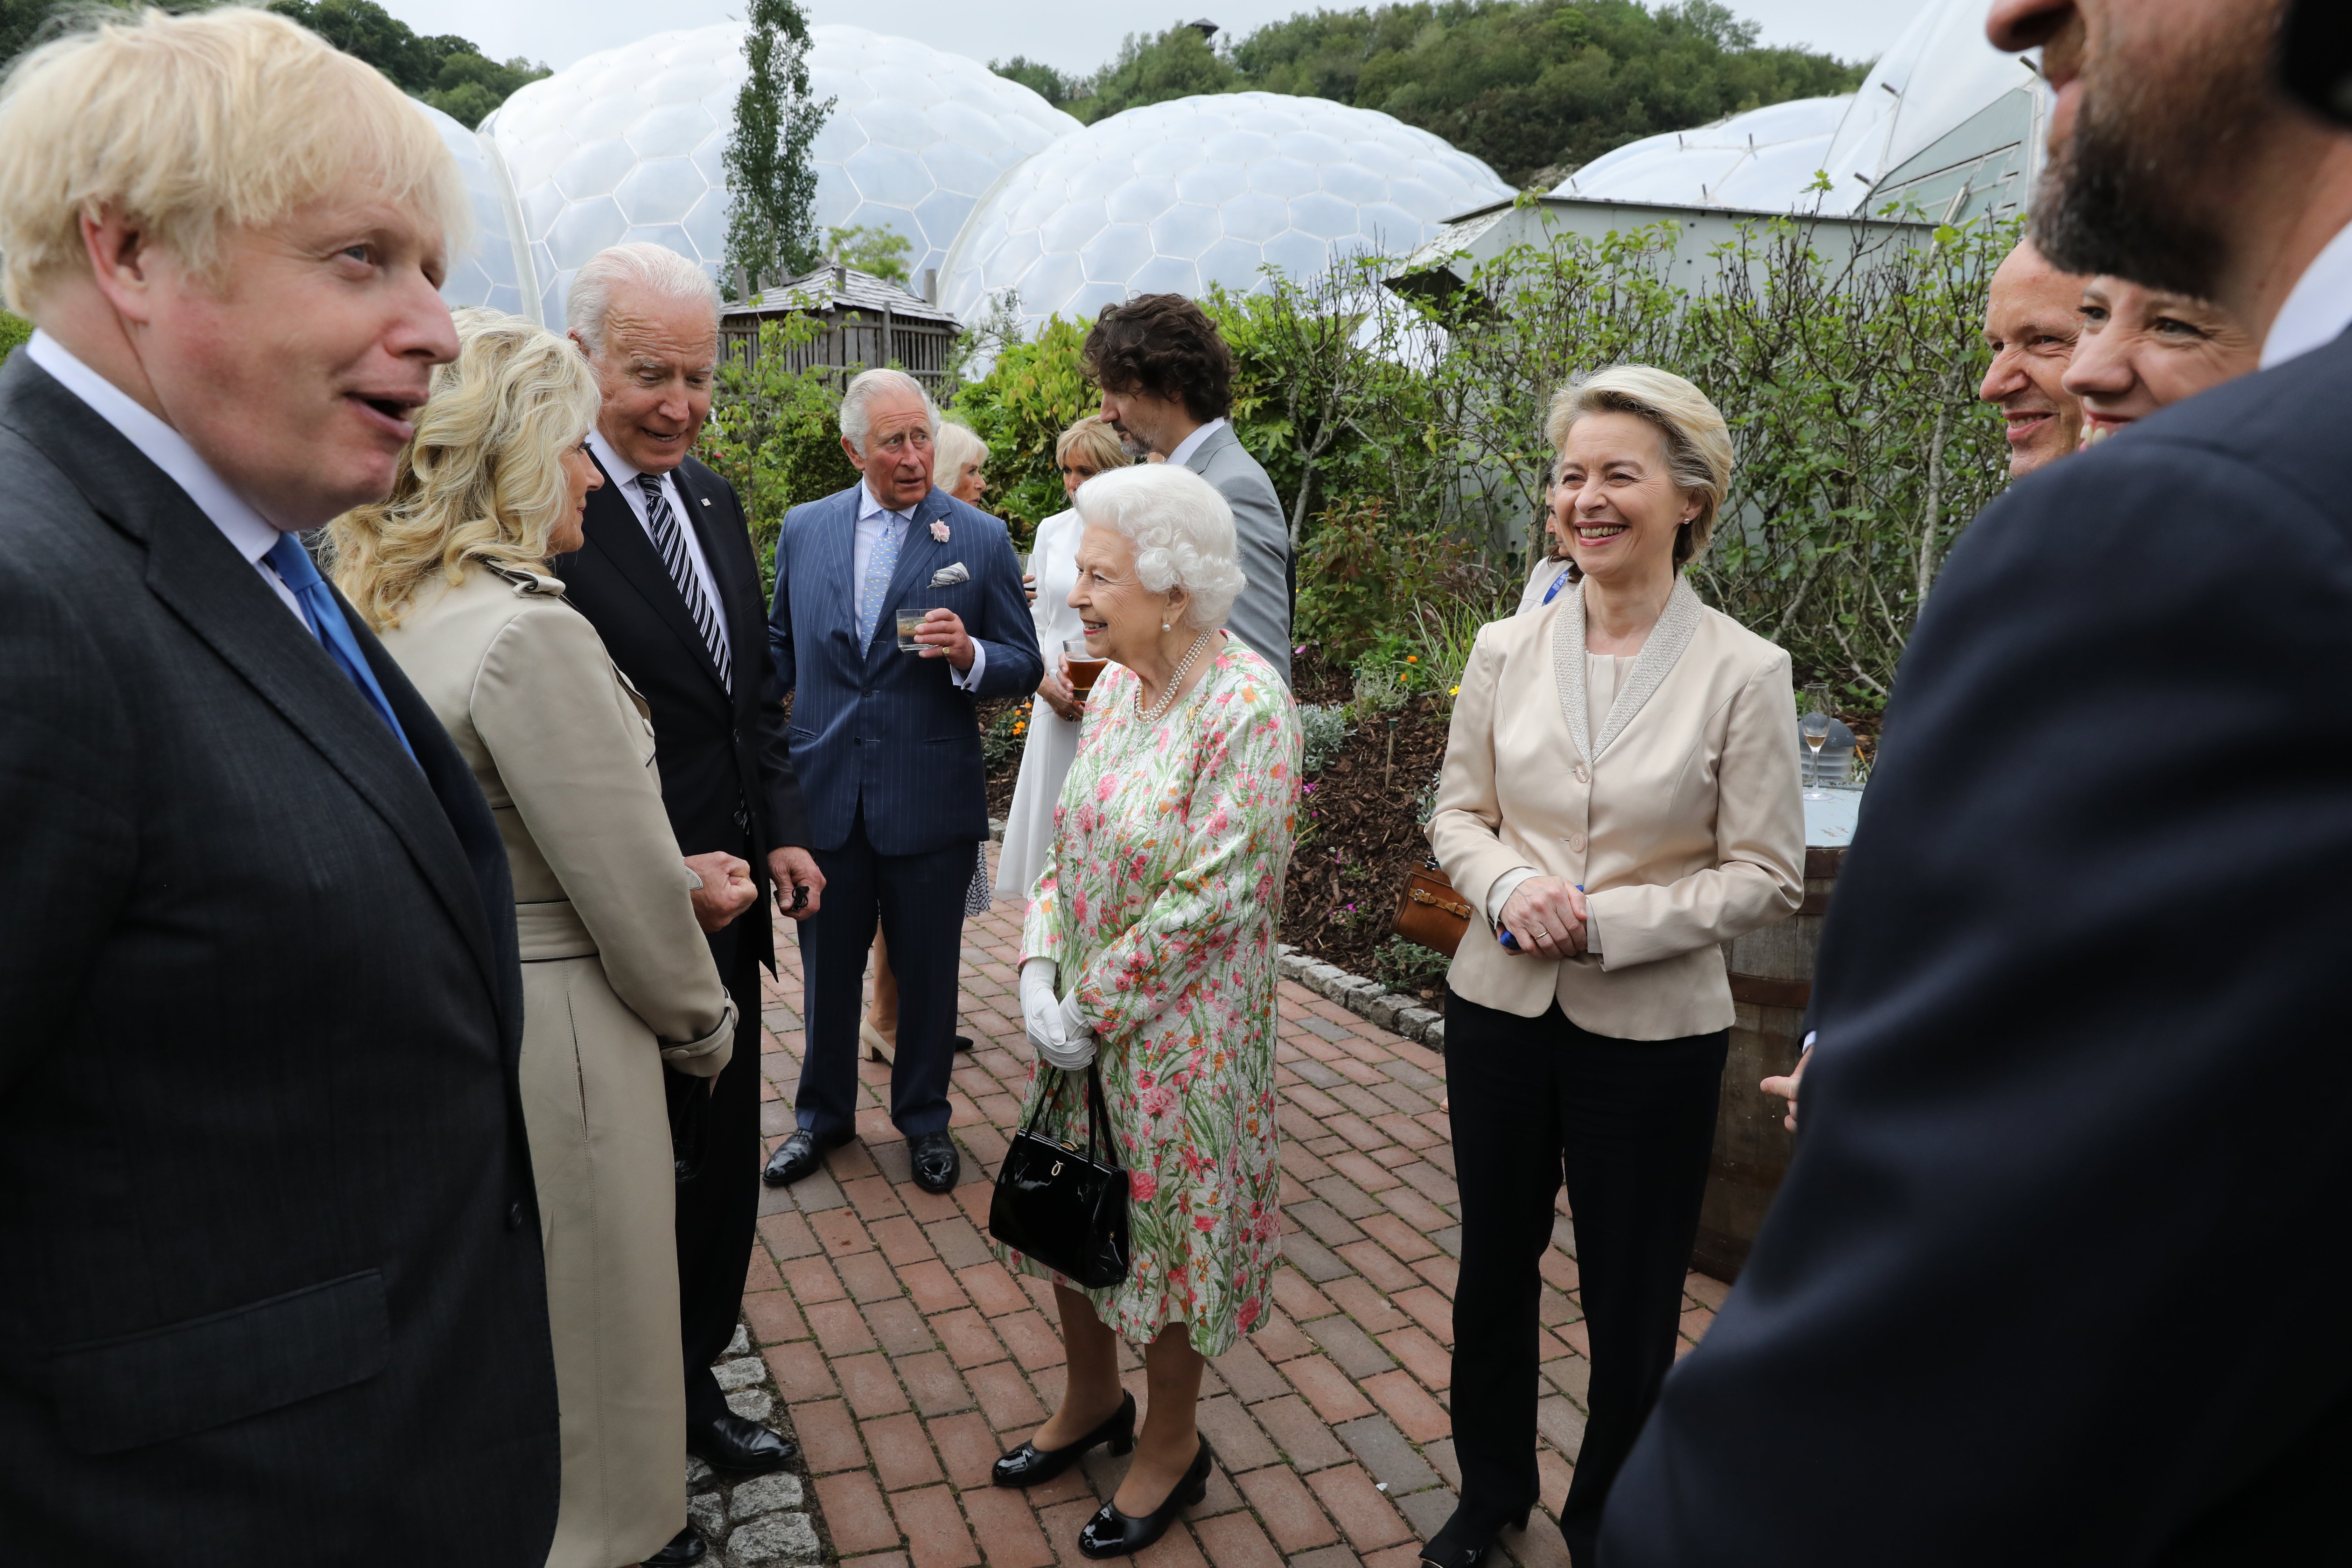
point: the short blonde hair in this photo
(483, 480)
(1096, 444)
(956, 446)
(1182, 530)
(1697, 442)
(195, 124)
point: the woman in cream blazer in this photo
(1619, 797)
(618, 982)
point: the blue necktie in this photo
(881, 566)
(292, 564)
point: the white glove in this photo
(1052, 1023)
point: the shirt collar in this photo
(617, 468)
(869, 505)
(252, 534)
(2318, 307)
(1191, 444)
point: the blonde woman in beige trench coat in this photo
(618, 983)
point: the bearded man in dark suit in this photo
(274, 1280)
(2081, 1082)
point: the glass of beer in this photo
(1084, 666)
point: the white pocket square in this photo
(949, 577)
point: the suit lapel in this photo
(738, 595)
(611, 529)
(1199, 461)
(1661, 651)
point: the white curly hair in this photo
(1182, 532)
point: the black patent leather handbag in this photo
(1065, 1206)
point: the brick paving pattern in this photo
(910, 1358)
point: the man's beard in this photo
(1136, 447)
(2142, 190)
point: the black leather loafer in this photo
(802, 1152)
(1111, 1533)
(739, 1446)
(1461, 1544)
(936, 1163)
(1029, 1465)
(685, 1547)
(963, 1042)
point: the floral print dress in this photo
(1158, 898)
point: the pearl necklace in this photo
(1175, 683)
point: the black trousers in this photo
(719, 1205)
(1629, 1124)
(918, 900)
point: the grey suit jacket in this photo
(266, 1203)
(1261, 616)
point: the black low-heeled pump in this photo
(1465, 1547)
(1110, 1533)
(1028, 1465)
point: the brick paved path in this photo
(910, 1358)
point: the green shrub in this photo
(1324, 726)
(14, 330)
(1031, 393)
(1360, 576)
(1002, 741)
(774, 434)
(1411, 968)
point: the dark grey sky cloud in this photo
(1072, 35)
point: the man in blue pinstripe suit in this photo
(888, 752)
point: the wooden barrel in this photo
(1771, 980)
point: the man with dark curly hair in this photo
(1167, 380)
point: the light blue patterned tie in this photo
(880, 567)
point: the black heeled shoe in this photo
(1110, 1533)
(1460, 1546)
(1029, 1465)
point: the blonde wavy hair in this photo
(482, 481)
(195, 126)
(1697, 442)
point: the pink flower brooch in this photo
(940, 532)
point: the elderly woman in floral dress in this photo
(1151, 940)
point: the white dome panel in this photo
(482, 271)
(1217, 188)
(915, 136)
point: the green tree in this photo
(1179, 63)
(770, 230)
(774, 432)
(879, 250)
(449, 72)
(1040, 78)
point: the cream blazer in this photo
(1681, 819)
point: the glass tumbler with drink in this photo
(911, 618)
(1084, 668)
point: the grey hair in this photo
(857, 401)
(1182, 530)
(589, 306)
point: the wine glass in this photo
(1814, 730)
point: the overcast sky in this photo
(1074, 35)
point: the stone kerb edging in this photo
(1365, 998)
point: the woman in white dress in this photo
(1086, 448)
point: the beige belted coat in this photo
(617, 978)
(1680, 818)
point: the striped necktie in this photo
(669, 538)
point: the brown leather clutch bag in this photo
(1429, 912)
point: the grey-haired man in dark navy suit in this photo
(889, 749)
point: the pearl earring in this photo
(1165, 627)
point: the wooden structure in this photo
(1771, 973)
(868, 322)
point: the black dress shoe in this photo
(1463, 1543)
(802, 1152)
(685, 1547)
(936, 1163)
(1111, 1533)
(1029, 1465)
(740, 1446)
(963, 1042)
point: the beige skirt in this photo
(600, 1150)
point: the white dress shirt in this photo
(2318, 307)
(250, 533)
(1191, 444)
(623, 473)
(872, 517)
